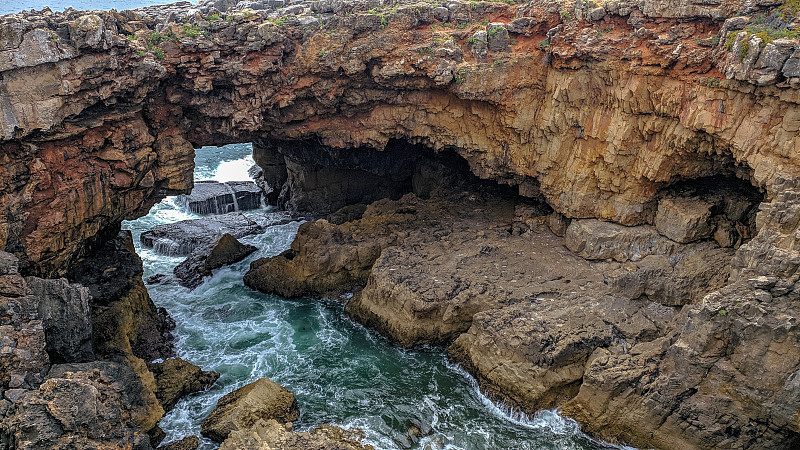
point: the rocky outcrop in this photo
(601, 110)
(213, 197)
(271, 435)
(227, 250)
(94, 405)
(64, 311)
(243, 408)
(176, 378)
(184, 237)
(187, 443)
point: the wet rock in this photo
(269, 434)
(213, 197)
(64, 310)
(176, 378)
(89, 406)
(241, 409)
(182, 238)
(593, 239)
(684, 219)
(227, 250)
(187, 443)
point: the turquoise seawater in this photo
(341, 372)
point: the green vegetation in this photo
(493, 32)
(471, 41)
(544, 45)
(277, 22)
(713, 82)
(159, 53)
(426, 50)
(140, 53)
(384, 21)
(744, 49)
(229, 19)
(321, 53)
(459, 76)
(722, 312)
(212, 17)
(131, 37)
(565, 15)
(155, 39)
(190, 30)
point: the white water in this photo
(341, 372)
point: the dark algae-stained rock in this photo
(200, 263)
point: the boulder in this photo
(684, 219)
(227, 250)
(269, 435)
(242, 408)
(213, 197)
(176, 378)
(594, 239)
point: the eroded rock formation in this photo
(603, 111)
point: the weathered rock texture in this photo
(602, 110)
(271, 435)
(200, 263)
(241, 409)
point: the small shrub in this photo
(159, 53)
(212, 17)
(565, 15)
(544, 45)
(190, 30)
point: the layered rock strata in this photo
(599, 109)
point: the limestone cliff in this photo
(599, 109)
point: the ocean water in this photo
(12, 6)
(341, 372)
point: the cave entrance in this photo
(722, 207)
(308, 177)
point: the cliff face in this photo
(596, 114)
(596, 108)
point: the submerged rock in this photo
(241, 409)
(227, 250)
(213, 197)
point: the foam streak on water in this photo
(341, 372)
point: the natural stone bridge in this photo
(596, 110)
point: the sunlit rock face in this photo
(599, 110)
